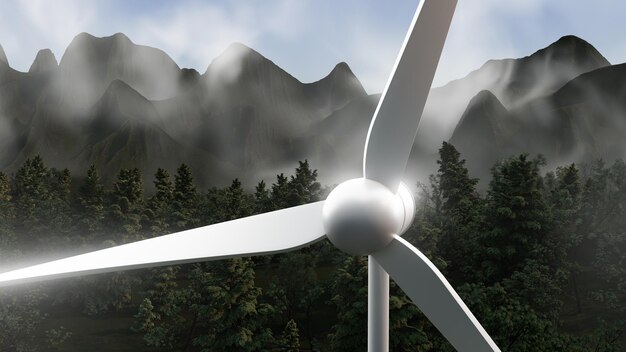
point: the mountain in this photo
(45, 62)
(248, 110)
(513, 81)
(582, 121)
(19, 93)
(90, 64)
(116, 104)
(242, 118)
(485, 127)
(338, 139)
(3, 57)
(473, 111)
(125, 131)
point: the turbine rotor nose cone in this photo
(361, 216)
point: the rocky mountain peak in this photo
(575, 50)
(483, 107)
(3, 56)
(340, 86)
(342, 72)
(45, 61)
(95, 62)
(341, 68)
(238, 59)
(240, 49)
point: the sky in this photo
(308, 38)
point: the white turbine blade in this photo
(268, 233)
(420, 279)
(394, 125)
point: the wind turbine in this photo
(363, 216)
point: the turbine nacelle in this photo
(361, 216)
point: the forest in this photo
(539, 256)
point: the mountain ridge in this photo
(247, 117)
(93, 109)
(3, 57)
(513, 81)
(44, 62)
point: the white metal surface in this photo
(377, 307)
(273, 232)
(420, 279)
(394, 126)
(361, 216)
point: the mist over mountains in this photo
(116, 104)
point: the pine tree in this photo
(127, 209)
(280, 192)
(517, 218)
(460, 213)
(90, 204)
(236, 204)
(349, 296)
(565, 201)
(301, 287)
(290, 338)
(160, 315)
(262, 200)
(6, 213)
(159, 205)
(58, 209)
(20, 319)
(513, 325)
(608, 237)
(31, 195)
(5, 188)
(458, 189)
(226, 313)
(303, 186)
(184, 205)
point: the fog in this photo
(246, 117)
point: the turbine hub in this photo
(361, 216)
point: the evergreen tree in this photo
(184, 205)
(280, 192)
(6, 213)
(290, 338)
(30, 195)
(517, 217)
(302, 289)
(513, 325)
(159, 205)
(160, 317)
(349, 296)
(20, 319)
(127, 209)
(90, 204)
(236, 203)
(303, 186)
(565, 200)
(460, 212)
(225, 309)
(5, 189)
(458, 189)
(609, 238)
(58, 209)
(262, 200)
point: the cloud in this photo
(196, 32)
(26, 26)
(484, 30)
(491, 29)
